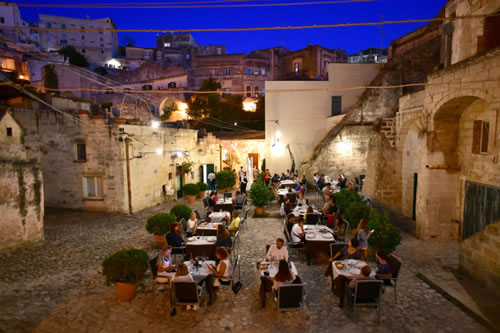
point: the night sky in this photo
(352, 39)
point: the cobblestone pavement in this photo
(56, 286)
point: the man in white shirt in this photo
(277, 252)
(242, 174)
(298, 233)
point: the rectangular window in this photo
(101, 39)
(83, 37)
(187, 56)
(256, 71)
(336, 105)
(262, 71)
(92, 187)
(63, 26)
(63, 41)
(481, 131)
(228, 72)
(82, 28)
(100, 32)
(49, 25)
(219, 51)
(9, 131)
(102, 45)
(296, 67)
(2, 19)
(326, 65)
(214, 72)
(7, 64)
(249, 71)
(49, 39)
(81, 152)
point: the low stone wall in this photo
(479, 256)
(21, 203)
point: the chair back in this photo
(197, 214)
(205, 203)
(267, 248)
(292, 197)
(368, 291)
(236, 238)
(236, 265)
(228, 195)
(290, 296)
(313, 218)
(184, 224)
(246, 213)
(153, 267)
(336, 247)
(285, 231)
(346, 229)
(186, 292)
(396, 266)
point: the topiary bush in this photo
(225, 179)
(159, 224)
(191, 189)
(355, 212)
(260, 195)
(386, 236)
(127, 266)
(203, 187)
(345, 198)
(181, 212)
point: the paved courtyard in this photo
(56, 286)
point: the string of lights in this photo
(180, 5)
(298, 27)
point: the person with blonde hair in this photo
(362, 234)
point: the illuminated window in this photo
(92, 187)
(256, 71)
(7, 64)
(214, 72)
(296, 67)
(166, 44)
(480, 135)
(262, 71)
(219, 51)
(187, 56)
(326, 65)
(249, 71)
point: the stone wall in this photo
(479, 256)
(21, 203)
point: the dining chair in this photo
(336, 247)
(228, 195)
(291, 297)
(187, 293)
(154, 273)
(176, 250)
(367, 293)
(393, 281)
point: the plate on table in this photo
(191, 239)
(264, 266)
(354, 271)
(212, 239)
(311, 234)
(327, 236)
(203, 225)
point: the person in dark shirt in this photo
(174, 237)
(223, 237)
(321, 182)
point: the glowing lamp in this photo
(249, 105)
(277, 134)
(181, 106)
(21, 77)
(344, 147)
(155, 124)
(179, 154)
(159, 151)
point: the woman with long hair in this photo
(384, 265)
(362, 234)
(223, 237)
(221, 272)
(284, 275)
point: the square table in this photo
(199, 273)
(201, 246)
(285, 184)
(273, 268)
(217, 217)
(351, 268)
(301, 210)
(224, 205)
(318, 240)
(208, 229)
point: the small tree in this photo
(75, 57)
(225, 179)
(231, 160)
(50, 79)
(167, 109)
(128, 40)
(181, 212)
(260, 195)
(386, 236)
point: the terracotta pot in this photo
(125, 291)
(221, 190)
(190, 198)
(120, 121)
(259, 210)
(229, 189)
(160, 241)
(201, 195)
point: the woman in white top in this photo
(192, 223)
(165, 270)
(284, 276)
(221, 272)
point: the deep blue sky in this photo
(350, 39)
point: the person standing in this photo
(362, 234)
(243, 185)
(242, 174)
(267, 177)
(211, 181)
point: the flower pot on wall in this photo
(160, 241)
(190, 198)
(125, 291)
(259, 210)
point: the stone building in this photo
(98, 47)
(21, 186)
(112, 167)
(136, 56)
(11, 17)
(371, 55)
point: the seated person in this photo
(221, 272)
(223, 237)
(327, 190)
(275, 179)
(364, 274)
(239, 199)
(235, 224)
(182, 274)
(298, 233)
(350, 185)
(350, 251)
(277, 251)
(303, 182)
(212, 199)
(174, 237)
(290, 221)
(340, 226)
(384, 268)
(284, 276)
(321, 182)
(192, 223)
(288, 206)
(342, 182)
(327, 205)
(165, 269)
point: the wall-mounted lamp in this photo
(155, 124)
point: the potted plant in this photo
(186, 167)
(190, 192)
(203, 188)
(225, 180)
(181, 212)
(125, 268)
(386, 236)
(159, 225)
(260, 196)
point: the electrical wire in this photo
(184, 6)
(319, 26)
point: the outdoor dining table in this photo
(202, 273)
(301, 210)
(207, 229)
(201, 246)
(268, 271)
(285, 184)
(225, 205)
(341, 277)
(318, 240)
(217, 217)
(282, 192)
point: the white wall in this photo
(304, 117)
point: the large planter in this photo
(120, 120)
(201, 195)
(125, 291)
(190, 198)
(259, 210)
(160, 241)
(229, 189)
(221, 190)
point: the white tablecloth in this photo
(287, 182)
(273, 268)
(225, 201)
(208, 226)
(218, 216)
(313, 233)
(201, 271)
(351, 268)
(301, 211)
(201, 240)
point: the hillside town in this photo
(359, 190)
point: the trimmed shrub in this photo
(181, 212)
(355, 212)
(260, 195)
(159, 224)
(225, 179)
(203, 187)
(191, 189)
(127, 266)
(386, 236)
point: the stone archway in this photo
(448, 148)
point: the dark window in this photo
(63, 26)
(228, 72)
(83, 50)
(83, 37)
(172, 84)
(491, 29)
(249, 91)
(147, 87)
(2, 19)
(480, 133)
(336, 105)
(256, 91)
(9, 131)
(81, 152)
(49, 25)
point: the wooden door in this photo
(414, 210)
(255, 157)
(179, 182)
(482, 207)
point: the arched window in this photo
(256, 91)
(249, 91)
